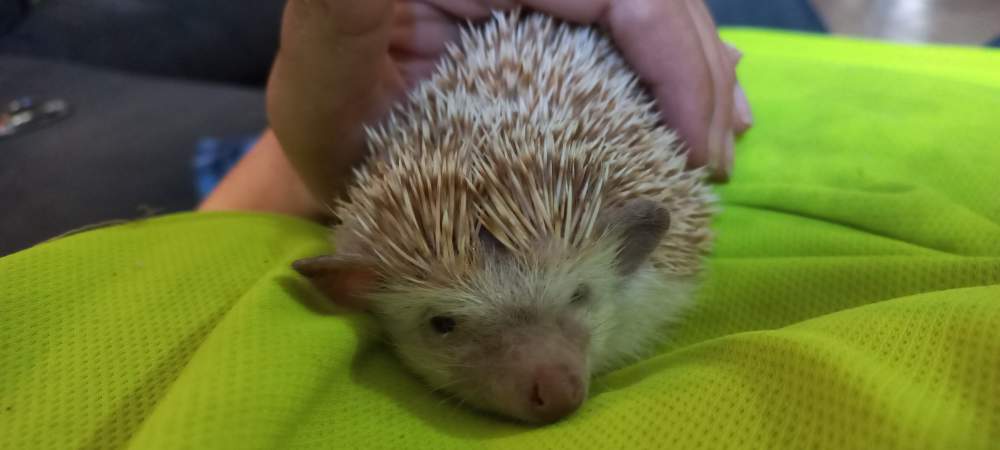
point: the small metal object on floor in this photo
(26, 114)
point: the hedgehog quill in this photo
(523, 222)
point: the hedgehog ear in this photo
(344, 281)
(641, 224)
(491, 244)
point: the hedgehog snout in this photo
(541, 377)
(556, 392)
(551, 382)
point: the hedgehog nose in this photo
(556, 393)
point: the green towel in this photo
(853, 300)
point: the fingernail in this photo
(721, 158)
(734, 53)
(742, 108)
(731, 156)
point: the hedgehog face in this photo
(522, 335)
(515, 339)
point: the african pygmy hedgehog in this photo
(523, 221)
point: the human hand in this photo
(343, 64)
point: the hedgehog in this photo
(523, 221)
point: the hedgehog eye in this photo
(443, 324)
(580, 295)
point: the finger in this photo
(742, 118)
(467, 9)
(328, 42)
(422, 30)
(420, 35)
(722, 61)
(661, 44)
(735, 55)
(336, 50)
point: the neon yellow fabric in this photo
(853, 300)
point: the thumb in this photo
(324, 86)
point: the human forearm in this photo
(263, 180)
